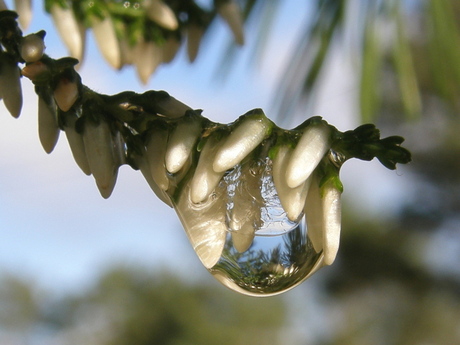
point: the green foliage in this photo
(386, 294)
(162, 310)
(19, 303)
(134, 306)
(398, 46)
(364, 143)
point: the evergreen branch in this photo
(364, 143)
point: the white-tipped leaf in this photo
(76, 144)
(170, 49)
(181, 143)
(119, 149)
(161, 14)
(245, 217)
(148, 56)
(69, 30)
(332, 206)
(171, 107)
(231, 13)
(194, 35)
(99, 151)
(10, 86)
(244, 138)
(309, 151)
(32, 48)
(144, 168)
(205, 226)
(24, 10)
(205, 179)
(65, 94)
(179, 176)
(127, 52)
(48, 129)
(292, 199)
(34, 70)
(82, 29)
(106, 38)
(314, 214)
(242, 239)
(155, 153)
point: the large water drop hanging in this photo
(230, 187)
(242, 234)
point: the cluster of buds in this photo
(143, 33)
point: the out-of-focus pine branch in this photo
(403, 49)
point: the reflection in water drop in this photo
(243, 236)
(251, 191)
(273, 264)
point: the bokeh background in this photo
(78, 269)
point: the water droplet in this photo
(272, 264)
(227, 200)
(336, 158)
(243, 236)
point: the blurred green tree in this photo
(132, 305)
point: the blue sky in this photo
(57, 229)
